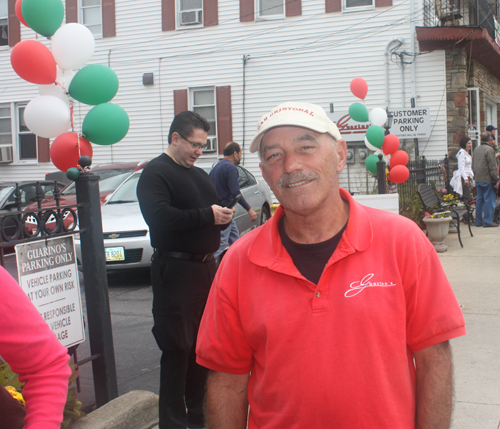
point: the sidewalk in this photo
(474, 273)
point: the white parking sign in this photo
(48, 274)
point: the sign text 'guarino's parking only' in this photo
(48, 274)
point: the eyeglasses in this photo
(194, 145)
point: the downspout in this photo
(400, 41)
(245, 59)
(413, 67)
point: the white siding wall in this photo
(312, 57)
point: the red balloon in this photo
(19, 14)
(400, 157)
(391, 144)
(399, 174)
(359, 87)
(64, 151)
(34, 62)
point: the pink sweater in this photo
(33, 351)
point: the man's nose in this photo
(291, 163)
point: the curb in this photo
(134, 410)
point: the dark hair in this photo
(464, 141)
(485, 136)
(185, 122)
(231, 148)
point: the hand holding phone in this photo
(234, 202)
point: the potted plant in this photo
(437, 225)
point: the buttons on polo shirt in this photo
(318, 294)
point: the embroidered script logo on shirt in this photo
(359, 286)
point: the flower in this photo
(15, 394)
(438, 215)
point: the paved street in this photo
(473, 271)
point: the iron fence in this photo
(460, 13)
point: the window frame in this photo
(212, 139)
(11, 144)
(6, 18)
(179, 25)
(81, 9)
(259, 17)
(17, 151)
(347, 9)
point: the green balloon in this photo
(73, 173)
(105, 124)
(43, 16)
(94, 84)
(375, 135)
(358, 112)
(371, 163)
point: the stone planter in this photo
(437, 231)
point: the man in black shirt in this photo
(181, 207)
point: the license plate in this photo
(114, 254)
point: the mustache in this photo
(296, 176)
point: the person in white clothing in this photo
(462, 177)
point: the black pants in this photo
(180, 291)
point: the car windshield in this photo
(104, 175)
(127, 192)
(5, 191)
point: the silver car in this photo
(126, 234)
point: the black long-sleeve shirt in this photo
(176, 202)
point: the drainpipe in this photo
(399, 41)
(413, 67)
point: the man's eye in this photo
(271, 156)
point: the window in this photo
(27, 144)
(4, 20)
(270, 8)
(190, 12)
(245, 178)
(358, 4)
(5, 134)
(91, 16)
(203, 102)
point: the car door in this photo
(251, 193)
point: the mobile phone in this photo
(234, 202)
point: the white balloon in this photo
(371, 147)
(378, 116)
(72, 46)
(60, 87)
(47, 116)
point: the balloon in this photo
(73, 173)
(371, 163)
(105, 124)
(391, 144)
(43, 16)
(19, 13)
(378, 116)
(375, 135)
(94, 84)
(358, 112)
(47, 116)
(359, 87)
(72, 45)
(370, 146)
(399, 174)
(67, 149)
(400, 157)
(60, 87)
(34, 62)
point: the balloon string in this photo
(71, 110)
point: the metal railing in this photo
(460, 13)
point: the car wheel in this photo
(265, 215)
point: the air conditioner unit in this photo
(191, 17)
(212, 144)
(6, 155)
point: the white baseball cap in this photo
(297, 114)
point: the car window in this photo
(5, 191)
(103, 175)
(245, 179)
(127, 192)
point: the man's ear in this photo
(175, 139)
(341, 149)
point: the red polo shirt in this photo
(339, 353)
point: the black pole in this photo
(382, 188)
(96, 289)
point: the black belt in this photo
(191, 256)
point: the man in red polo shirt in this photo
(331, 315)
